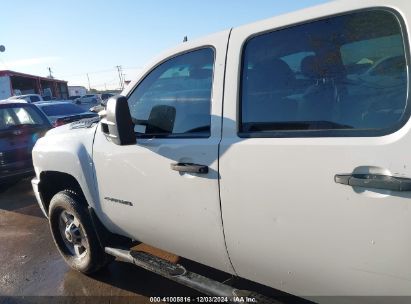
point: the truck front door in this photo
(164, 190)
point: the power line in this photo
(132, 68)
(87, 74)
(109, 82)
(92, 72)
(120, 75)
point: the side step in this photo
(179, 274)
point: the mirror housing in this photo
(117, 125)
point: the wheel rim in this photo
(73, 234)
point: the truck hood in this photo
(74, 127)
(72, 117)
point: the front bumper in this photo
(35, 183)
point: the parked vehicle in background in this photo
(88, 99)
(21, 124)
(106, 96)
(30, 98)
(98, 108)
(103, 103)
(252, 151)
(49, 98)
(61, 112)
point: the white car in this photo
(88, 99)
(220, 154)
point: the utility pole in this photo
(124, 80)
(50, 76)
(2, 49)
(120, 72)
(89, 87)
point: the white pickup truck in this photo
(267, 151)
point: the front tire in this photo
(73, 233)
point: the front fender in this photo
(68, 151)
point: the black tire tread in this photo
(69, 199)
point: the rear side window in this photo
(340, 76)
(174, 100)
(34, 98)
(16, 116)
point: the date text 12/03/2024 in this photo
(204, 299)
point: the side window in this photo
(174, 100)
(15, 116)
(34, 98)
(340, 76)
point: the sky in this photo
(80, 37)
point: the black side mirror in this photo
(117, 125)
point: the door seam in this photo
(219, 145)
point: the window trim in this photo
(177, 135)
(332, 132)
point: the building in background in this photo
(16, 83)
(77, 91)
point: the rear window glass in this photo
(17, 116)
(344, 75)
(62, 109)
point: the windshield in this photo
(17, 116)
(62, 109)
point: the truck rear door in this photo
(314, 161)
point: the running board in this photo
(179, 274)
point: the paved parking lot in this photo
(30, 265)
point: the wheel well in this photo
(52, 182)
